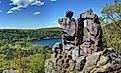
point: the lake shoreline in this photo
(46, 38)
(46, 42)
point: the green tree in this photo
(112, 28)
(112, 13)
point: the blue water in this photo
(47, 42)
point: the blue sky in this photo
(34, 14)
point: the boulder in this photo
(106, 61)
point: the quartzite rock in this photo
(75, 56)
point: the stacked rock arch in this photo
(72, 54)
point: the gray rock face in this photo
(106, 61)
(103, 62)
(75, 56)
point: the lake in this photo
(47, 42)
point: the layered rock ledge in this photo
(106, 61)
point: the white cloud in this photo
(1, 11)
(9, 12)
(20, 4)
(52, 0)
(8, 27)
(1, 27)
(36, 13)
(38, 3)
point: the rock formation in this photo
(93, 42)
(73, 55)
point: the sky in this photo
(35, 14)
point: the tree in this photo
(112, 30)
(112, 13)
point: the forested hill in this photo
(112, 36)
(13, 35)
(17, 52)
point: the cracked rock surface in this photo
(106, 61)
(73, 55)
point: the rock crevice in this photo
(73, 55)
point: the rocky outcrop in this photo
(74, 55)
(106, 61)
(103, 62)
